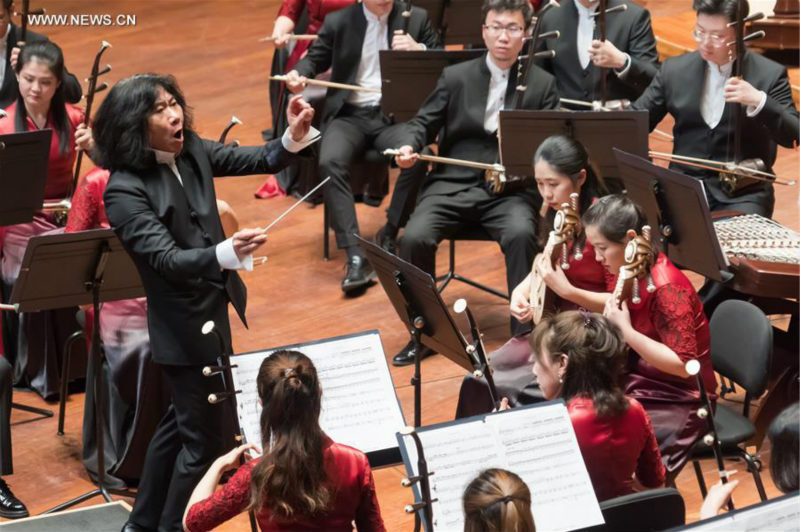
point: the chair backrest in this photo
(645, 511)
(741, 345)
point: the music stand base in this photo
(102, 492)
(452, 276)
(45, 413)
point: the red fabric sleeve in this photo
(224, 504)
(368, 513)
(649, 468)
(292, 9)
(85, 208)
(673, 319)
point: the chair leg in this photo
(700, 480)
(326, 226)
(754, 466)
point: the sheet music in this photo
(359, 405)
(778, 516)
(537, 443)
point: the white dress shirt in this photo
(585, 32)
(226, 255)
(369, 69)
(712, 103)
(3, 52)
(498, 84)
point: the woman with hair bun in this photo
(304, 480)
(497, 501)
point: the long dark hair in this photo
(596, 352)
(567, 156)
(784, 435)
(497, 501)
(120, 126)
(613, 216)
(290, 478)
(50, 55)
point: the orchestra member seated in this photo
(784, 461)
(627, 58)
(304, 480)
(562, 167)
(349, 43)
(697, 88)
(664, 330)
(40, 104)
(579, 357)
(461, 115)
(497, 500)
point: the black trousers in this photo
(346, 138)
(510, 220)
(189, 438)
(6, 388)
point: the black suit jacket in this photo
(10, 90)
(677, 89)
(339, 42)
(454, 113)
(629, 31)
(171, 232)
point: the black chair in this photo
(80, 334)
(369, 178)
(469, 233)
(741, 351)
(645, 511)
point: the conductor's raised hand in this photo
(299, 114)
(246, 241)
(295, 82)
(406, 158)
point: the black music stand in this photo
(416, 299)
(520, 132)
(407, 78)
(462, 22)
(73, 269)
(23, 172)
(688, 239)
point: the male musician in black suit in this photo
(348, 44)
(627, 58)
(463, 111)
(9, 50)
(698, 90)
(160, 201)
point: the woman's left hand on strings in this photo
(83, 138)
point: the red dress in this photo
(25, 342)
(672, 315)
(614, 448)
(351, 482)
(317, 10)
(586, 274)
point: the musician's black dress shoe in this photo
(130, 526)
(406, 356)
(386, 242)
(359, 274)
(10, 506)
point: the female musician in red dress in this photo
(137, 397)
(579, 356)
(304, 480)
(40, 105)
(665, 330)
(561, 167)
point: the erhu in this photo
(603, 104)
(60, 209)
(640, 256)
(24, 14)
(499, 182)
(566, 227)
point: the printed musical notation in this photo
(359, 405)
(537, 443)
(780, 514)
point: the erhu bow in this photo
(61, 208)
(640, 256)
(566, 227)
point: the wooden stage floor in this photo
(212, 49)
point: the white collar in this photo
(164, 157)
(372, 17)
(583, 11)
(496, 71)
(723, 70)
